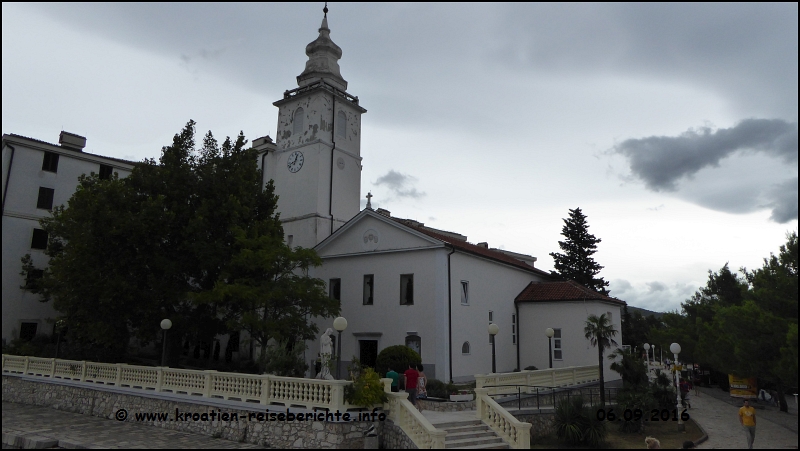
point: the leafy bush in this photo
(663, 392)
(438, 389)
(531, 368)
(576, 424)
(282, 361)
(632, 398)
(366, 390)
(396, 357)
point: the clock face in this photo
(295, 161)
(340, 163)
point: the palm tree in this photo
(600, 332)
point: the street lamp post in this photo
(550, 332)
(339, 324)
(493, 330)
(676, 349)
(166, 324)
(647, 354)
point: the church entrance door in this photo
(368, 352)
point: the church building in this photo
(400, 282)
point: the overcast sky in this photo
(672, 126)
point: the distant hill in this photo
(644, 312)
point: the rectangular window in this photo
(335, 289)
(45, 201)
(557, 351)
(50, 162)
(105, 171)
(465, 292)
(407, 289)
(27, 331)
(369, 282)
(39, 240)
(513, 329)
(32, 276)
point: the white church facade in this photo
(399, 282)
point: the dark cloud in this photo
(662, 162)
(399, 184)
(784, 204)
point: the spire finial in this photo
(369, 201)
(325, 9)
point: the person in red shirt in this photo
(411, 375)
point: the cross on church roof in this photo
(369, 201)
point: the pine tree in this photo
(576, 263)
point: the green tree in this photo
(129, 252)
(266, 290)
(600, 333)
(577, 263)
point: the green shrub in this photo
(531, 368)
(663, 392)
(576, 424)
(366, 390)
(397, 358)
(282, 361)
(632, 398)
(438, 389)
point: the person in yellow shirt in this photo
(747, 418)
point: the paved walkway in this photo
(27, 426)
(717, 413)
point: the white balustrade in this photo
(528, 380)
(413, 423)
(265, 389)
(516, 433)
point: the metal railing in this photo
(547, 396)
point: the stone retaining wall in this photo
(542, 424)
(392, 437)
(106, 402)
(446, 406)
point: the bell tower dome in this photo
(316, 161)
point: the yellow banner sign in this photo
(743, 387)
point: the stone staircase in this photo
(470, 434)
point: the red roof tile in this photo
(561, 291)
(476, 250)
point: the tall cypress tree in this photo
(576, 263)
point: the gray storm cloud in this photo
(399, 184)
(661, 162)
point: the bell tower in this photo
(316, 160)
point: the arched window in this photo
(299, 115)
(465, 348)
(341, 124)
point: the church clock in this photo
(295, 161)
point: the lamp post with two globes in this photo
(676, 349)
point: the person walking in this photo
(422, 383)
(392, 374)
(411, 375)
(747, 418)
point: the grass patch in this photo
(665, 431)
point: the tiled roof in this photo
(561, 291)
(474, 249)
(71, 150)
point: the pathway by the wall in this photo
(715, 413)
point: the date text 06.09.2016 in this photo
(637, 414)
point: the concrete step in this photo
(472, 442)
(459, 424)
(452, 436)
